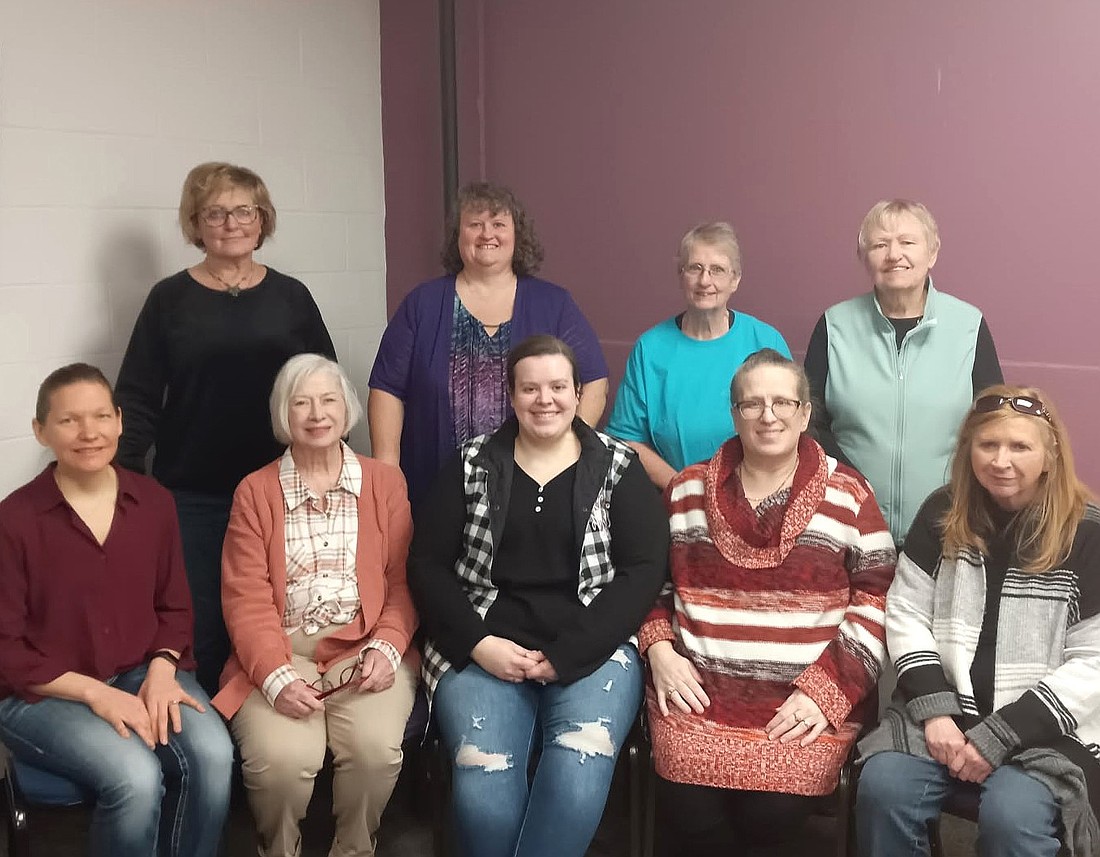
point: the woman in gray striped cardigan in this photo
(993, 622)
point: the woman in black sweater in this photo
(198, 371)
(536, 555)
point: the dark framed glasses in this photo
(324, 688)
(1028, 405)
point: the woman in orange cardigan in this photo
(314, 595)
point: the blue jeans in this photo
(188, 779)
(490, 728)
(899, 794)
(203, 521)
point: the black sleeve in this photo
(141, 383)
(639, 552)
(987, 368)
(817, 370)
(446, 614)
(317, 335)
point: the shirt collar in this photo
(45, 494)
(295, 490)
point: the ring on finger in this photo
(672, 692)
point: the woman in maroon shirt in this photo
(95, 637)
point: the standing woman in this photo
(95, 637)
(198, 371)
(896, 368)
(993, 622)
(439, 379)
(672, 406)
(535, 557)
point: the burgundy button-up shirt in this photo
(69, 604)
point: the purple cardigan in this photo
(414, 360)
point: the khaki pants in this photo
(282, 755)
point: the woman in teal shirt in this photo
(673, 404)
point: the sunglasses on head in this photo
(1027, 405)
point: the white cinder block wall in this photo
(104, 107)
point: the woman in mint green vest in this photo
(894, 371)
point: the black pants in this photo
(725, 822)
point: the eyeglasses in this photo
(1021, 404)
(347, 677)
(782, 409)
(243, 214)
(695, 270)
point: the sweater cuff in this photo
(816, 684)
(993, 738)
(942, 704)
(654, 632)
(386, 648)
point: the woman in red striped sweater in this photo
(770, 638)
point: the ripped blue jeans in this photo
(490, 729)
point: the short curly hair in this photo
(207, 180)
(485, 196)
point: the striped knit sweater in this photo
(799, 605)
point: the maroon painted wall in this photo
(621, 124)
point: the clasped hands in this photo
(510, 661)
(948, 745)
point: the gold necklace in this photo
(233, 290)
(788, 475)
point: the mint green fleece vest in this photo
(896, 414)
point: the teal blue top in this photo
(675, 394)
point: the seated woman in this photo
(313, 589)
(95, 637)
(993, 622)
(671, 406)
(770, 638)
(536, 556)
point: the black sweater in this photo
(198, 373)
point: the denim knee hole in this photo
(588, 739)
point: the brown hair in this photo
(770, 357)
(484, 196)
(1049, 523)
(74, 373)
(213, 177)
(539, 345)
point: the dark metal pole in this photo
(448, 103)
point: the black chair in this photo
(27, 787)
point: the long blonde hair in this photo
(1049, 523)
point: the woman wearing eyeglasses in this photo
(769, 641)
(895, 369)
(993, 622)
(672, 404)
(198, 370)
(320, 617)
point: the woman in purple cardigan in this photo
(439, 378)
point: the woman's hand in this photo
(798, 717)
(298, 700)
(969, 765)
(504, 659)
(543, 671)
(675, 678)
(162, 695)
(124, 711)
(375, 672)
(944, 739)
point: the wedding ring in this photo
(672, 692)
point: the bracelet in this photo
(168, 656)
